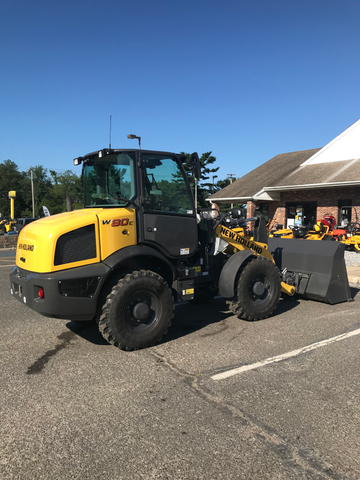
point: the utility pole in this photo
(230, 175)
(32, 192)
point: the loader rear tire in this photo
(138, 311)
(258, 290)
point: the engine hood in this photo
(37, 241)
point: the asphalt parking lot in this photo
(219, 398)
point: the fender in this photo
(135, 251)
(229, 272)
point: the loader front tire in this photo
(258, 290)
(138, 311)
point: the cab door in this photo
(169, 217)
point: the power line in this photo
(231, 175)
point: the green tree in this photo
(55, 198)
(42, 187)
(10, 179)
(48, 190)
(225, 207)
(202, 189)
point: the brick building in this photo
(300, 187)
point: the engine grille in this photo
(76, 246)
(79, 287)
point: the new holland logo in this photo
(24, 246)
(234, 237)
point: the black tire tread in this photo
(235, 304)
(104, 322)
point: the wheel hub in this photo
(258, 289)
(140, 311)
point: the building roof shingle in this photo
(336, 164)
(270, 174)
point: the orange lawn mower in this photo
(323, 229)
(349, 233)
(297, 231)
(320, 231)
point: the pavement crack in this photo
(223, 326)
(299, 461)
(241, 332)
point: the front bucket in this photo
(321, 266)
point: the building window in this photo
(344, 213)
(300, 214)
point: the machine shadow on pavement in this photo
(354, 292)
(88, 332)
(188, 318)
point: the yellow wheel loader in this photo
(7, 226)
(139, 244)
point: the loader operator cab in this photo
(159, 191)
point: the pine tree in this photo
(201, 190)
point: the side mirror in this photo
(196, 165)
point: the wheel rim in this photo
(259, 288)
(142, 311)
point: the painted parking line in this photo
(279, 358)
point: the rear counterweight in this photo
(70, 294)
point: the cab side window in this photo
(165, 189)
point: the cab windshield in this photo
(110, 180)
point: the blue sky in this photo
(244, 79)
